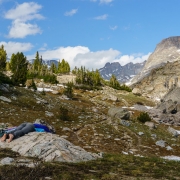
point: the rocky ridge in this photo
(168, 50)
(122, 73)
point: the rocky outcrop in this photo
(167, 112)
(160, 81)
(119, 113)
(49, 147)
(66, 78)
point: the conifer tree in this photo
(37, 62)
(19, 65)
(3, 56)
(53, 68)
(114, 83)
(8, 68)
(63, 67)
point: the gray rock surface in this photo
(7, 161)
(118, 112)
(151, 125)
(173, 131)
(4, 99)
(161, 143)
(49, 147)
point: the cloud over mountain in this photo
(83, 56)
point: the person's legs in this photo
(3, 138)
(24, 129)
(21, 126)
(21, 131)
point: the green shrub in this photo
(50, 78)
(144, 117)
(68, 91)
(64, 113)
(43, 92)
(87, 87)
(4, 79)
(33, 85)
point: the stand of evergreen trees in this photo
(86, 77)
(23, 70)
(114, 83)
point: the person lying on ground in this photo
(23, 129)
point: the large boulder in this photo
(137, 91)
(173, 95)
(167, 106)
(49, 147)
(118, 112)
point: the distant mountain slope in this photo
(122, 73)
(167, 50)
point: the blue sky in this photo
(88, 32)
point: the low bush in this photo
(4, 79)
(144, 117)
(68, 91)
(64, 114)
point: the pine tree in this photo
(53, 68)
(69, 90)
(37, 63)
(3, 56)
(8, 68)
(19, 65)
(63, 67)
(114, 83)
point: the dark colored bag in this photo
(43, 122)
(2, 132)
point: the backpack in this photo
(43, 122)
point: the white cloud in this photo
(136, 58)
(20, 29)
(14, 47)
(114, 28)
(20, 16)
(82, 56)
(105, 1)
(43, 48)
(103, 17)
(71, 13)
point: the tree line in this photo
(22, 70)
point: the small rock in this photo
(172, 131)
(136, 91)
(55, 92)
(4, 99)
(140, 133)
(50, 114)
(4, 87)
(125, 123)
(7, 160)
(161, 143)
(169, 148)
(153, 135)
(66, 129)
(151, 125)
